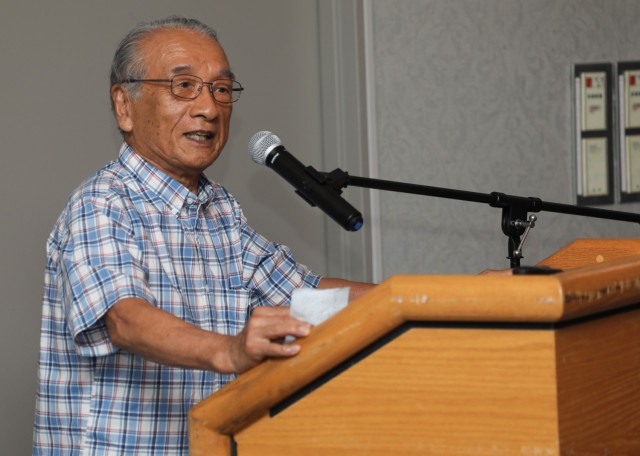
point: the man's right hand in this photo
(263, 338)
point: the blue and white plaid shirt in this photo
(132, 231)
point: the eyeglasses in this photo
(188, 87)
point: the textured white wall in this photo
(477, 96)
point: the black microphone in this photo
(267, 149)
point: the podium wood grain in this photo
(488, 365)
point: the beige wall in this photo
(57, 128)
(467, 94)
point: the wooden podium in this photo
(536, 365)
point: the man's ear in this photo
(122, 108)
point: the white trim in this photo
(372, 141)
(577, 132)
(624, 176)
(344, 127)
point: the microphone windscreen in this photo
(261, 144)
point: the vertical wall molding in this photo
(344, 129)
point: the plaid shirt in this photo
(132, 231)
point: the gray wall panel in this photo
(477, 96)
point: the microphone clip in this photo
(336, 179)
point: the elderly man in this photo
(157, 292)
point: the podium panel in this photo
(428, 391)
(598, 382)
(454, 365)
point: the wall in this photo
(473, 95)
(57, 128)
(476, 96)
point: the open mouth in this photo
(199, 135)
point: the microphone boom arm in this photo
(515, 209)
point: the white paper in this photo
(314, 306)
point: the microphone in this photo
(267, 149)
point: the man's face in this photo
(180, 137)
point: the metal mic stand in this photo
(516, 221)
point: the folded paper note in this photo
(314, 306)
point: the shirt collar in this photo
(155, 182)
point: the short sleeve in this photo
(100, 265)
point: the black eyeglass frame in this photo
(202, 83)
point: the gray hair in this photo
(129, 63)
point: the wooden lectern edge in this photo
(570, 294)
(583, 252)
(392, 303)
(601, 287)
